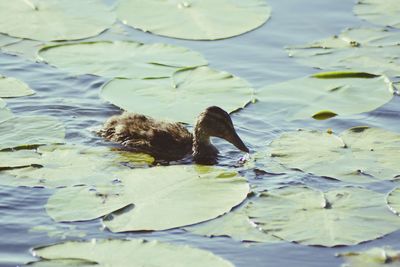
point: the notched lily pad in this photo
(182, 97)
(194, 19)
(19, 132)
(358, 155)
(156, 198)
(124, 59)
(124, 253)
(54, 19)
(374, 257)
(11, 87)
(384, 13)
(333, 93)
(345, 216)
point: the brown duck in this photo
(172, 141)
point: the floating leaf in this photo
(6, 40)
(11, 87)
(17, 159)
(194, 19)
(359, 154)
(182, 99)
(236, 225)
(5, 113)
(66, 165)
(345, 216)
(324, 115)
(393, 200)
(156, 198)
(30, 131)
(54, 19)
(306, 97)
(125, 253)
(384, 13)
(374, 257)
(121, 58)
(364, 50)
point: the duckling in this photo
(172, 141)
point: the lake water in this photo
(258, 57)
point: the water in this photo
(257, 56)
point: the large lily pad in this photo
(66, 165)
(157, 198)
(359, 154)
(364, 49)
(54, 19)
(393, 200)
(194, 19)
(374, 257)
(5, 113)
(327, 94)
(30, 131)
(384, 13)
(11, 87)
(182, 98)
(345, 216)
(125, 253)
(125, 59)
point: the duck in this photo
(171, 141)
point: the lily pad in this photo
(124, 253)
(236, 225)
(156, 198)
(181, 99)
(384, 13)
(66, 165)
(194, 19)
(393, 200)
(54, 19)
(345, 216)
(327, 95)
(358, 155)
(124, 59)
(361, 49)
(6, 40)
(374, 257)
(18, 159)
(5, 113)
(30, 131)
(11, 87)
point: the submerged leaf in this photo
(358, 155)
(374, 257)
(116, 252)
(345, 216)
(194, 19)
(124, 59)
(54, 19)
(11, 87)
(30, 131)
(306, 97)
(5, 113)
(157, 198)
(182, 99)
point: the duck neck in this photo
(203, 151)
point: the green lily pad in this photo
(18, 159)
(393, 200)
(374, 257)
(181, 99)
(30, 131)
(6, 40)
(54, 19)
(384, 13)
(5, 113)
(11, 87)
(125, 253)
(194, 19)
(345, 216)
(358, 155)
(67, 165)
(124, 59)
(236, 225)
(367, 50)
(326, 96)
(156, 198)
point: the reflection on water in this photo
(256, 56)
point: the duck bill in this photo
(235, 140)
